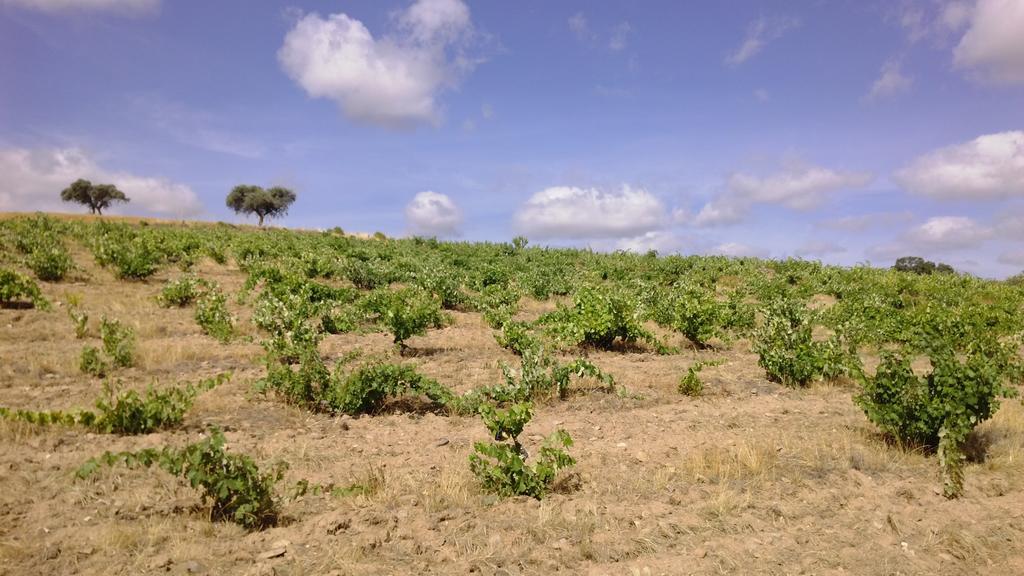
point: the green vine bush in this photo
(501, 466)
(213, 316)
(600, 318)
(15, 287)
(118, 342)
(126, 412)
(940, 409)
(790, 355)
(232, 484)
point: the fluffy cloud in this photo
(124, 6)
(759, 33)
(948, 233)
(988, 167)
(799, 187)
(33, 180)
(662, 241)
(392, 80)
(890, 82)
(994, 41)
(569, 212)
(433, 214)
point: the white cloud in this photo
(988, 167)
(890, 82)
(818, 249)
(760, 32)
(392, 80)
(948, 233)
(994, 43)
(433, 214)
(934, 20)
(663, 241)
(569, 212)
(719, 212)
(580, 27)
(620, 37)
(797, 186)
(737, 250)
(123, 6)
(33, 180)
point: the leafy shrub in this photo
(691, 384)
(365, 390)
(539, 376)
(232, 483)
(361, 391)
(126, 412)
(498, 303)
(130, 413)
(939, 410)
(136, 261)
(599, 318)
(213, 317)
(788, 352)
(501, 466)
(693, 311)
(287, 318)
(132, 255)
(368, 274)
(50, 261)
(406, 312)
(118, 342)
(79, 318)
(92, 363)
(181, 292)
(15, 287)
(443, 283)
(516, 337)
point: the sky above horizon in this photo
(848, 131)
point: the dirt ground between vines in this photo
(751, 478)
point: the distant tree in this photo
(272, 203)
(97, 197)
(919, 265)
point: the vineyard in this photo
(209, 398)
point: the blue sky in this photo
(846, 131)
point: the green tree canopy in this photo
(273, 202)
(96, 196)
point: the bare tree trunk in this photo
(261, 219)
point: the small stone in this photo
(281, 544)
(620, 445)
(700, 553)
(441, 442)
(273, 553)
(193, 567)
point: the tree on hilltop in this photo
(270, 203)
(97, 197)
